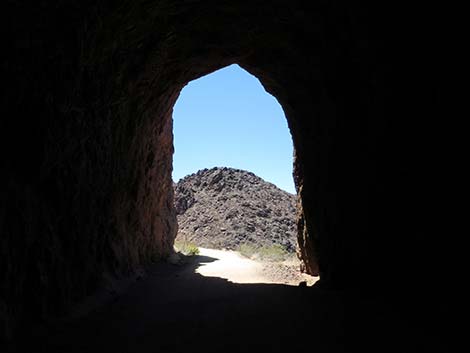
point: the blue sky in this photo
(227, 119)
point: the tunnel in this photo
(87, 142)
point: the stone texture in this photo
(223, 208)
(85, 136)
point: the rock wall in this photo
(86, 139)
(87, 186)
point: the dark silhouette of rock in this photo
(86, 143)
(226, 207)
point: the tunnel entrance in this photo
(226, 118)
(87, 148)
(233, 179)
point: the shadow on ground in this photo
(174, 309)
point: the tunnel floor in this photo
(175, 309)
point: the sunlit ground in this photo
(234, 267)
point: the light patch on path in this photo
(231, 266)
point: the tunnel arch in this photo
(88, 193)
(307, 250)
(177, 61)
(103, 172)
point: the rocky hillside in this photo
(225, 208)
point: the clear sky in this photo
(227, 119)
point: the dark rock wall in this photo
(87, 184)
(86, 139)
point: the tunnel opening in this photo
(86, 146)
(235, 196)
(227, 118)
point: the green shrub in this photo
(273, 252)
(187, 248)
(192, 249)
(247, 250)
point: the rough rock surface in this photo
(226, 207)
(86, 143)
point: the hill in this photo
(226, 208)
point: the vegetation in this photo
(273, 252)
(247, 250)
(187, 248)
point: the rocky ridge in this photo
(223, 208)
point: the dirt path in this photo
(236, 268)
(232, 266)
(181, 307)
(198, 305)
